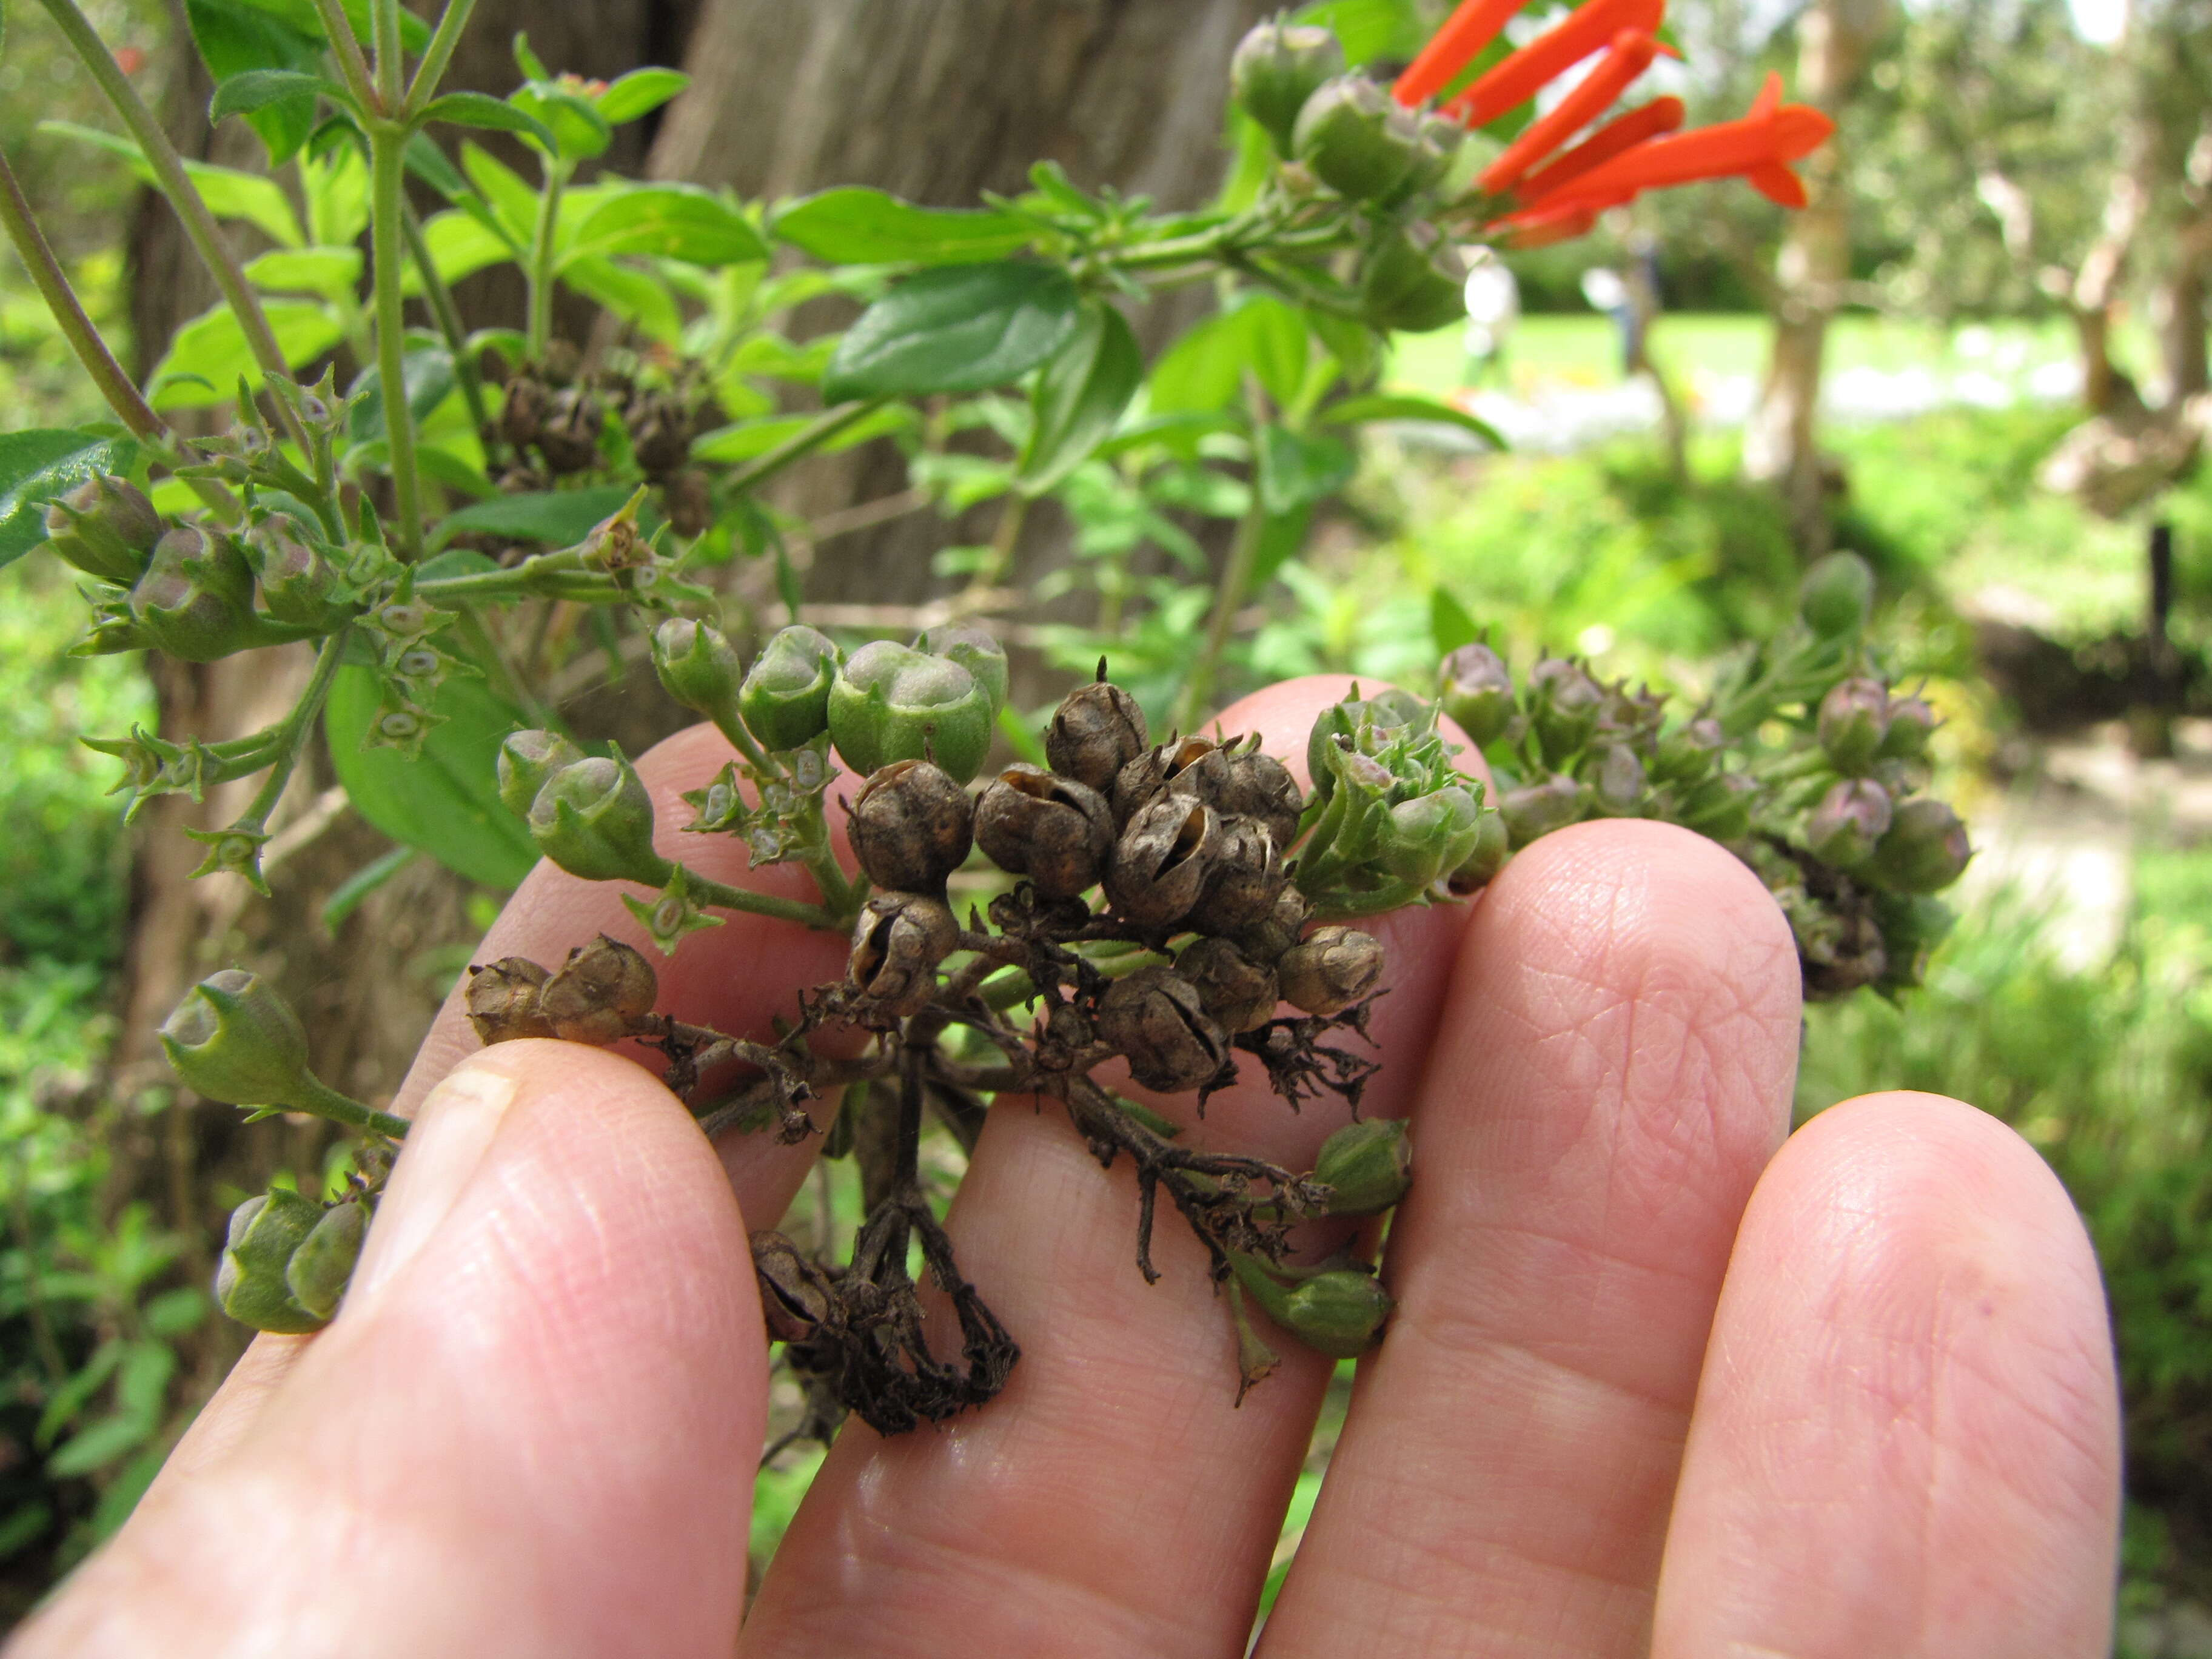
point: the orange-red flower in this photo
(1583, 32)
(1471, 28)
(1628, 56)
(1622, 133)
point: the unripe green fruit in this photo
(1356, 139)
(1368, 1166)
(1851, 819)
(1492, 846)
(1912, 723)
(1431, 835)
(594, 819)
(1535, 810)
(1341, 1313)
(1413, 280)
(297, 583)
(250, 1284)
(234, 1039)
(975, 649)
(1838, 596)
(1276, 68)
(1565, 703)
(785, 700)
(1476, 690)
(322, 1265)
(196, 598)
(698, 667)
(1925, 850)
(891, 704)
(106, 528)
(1852, 721)
(526, 759)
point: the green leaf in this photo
(238, 40)
(25, 1525)
(1078, 396)
(213, 347)
(639, 93)
(635, 297)
(327, 271)
(427, 371)
(479, 109)
(854, 226)
(255, 89)
(1369, 29)
(1295, 471)
(101, 1443)
(1178, 434)
(1449, 624)
(230, 194)
(1397, 406)
(514, 203)
(560, 518)
(957, 328)
(669, 222)
(38, 465)
(1205, 369)
(447, 801)
(460, 244)
(580, 133)
(747, 438)
(430, 164)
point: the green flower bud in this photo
(1836, 596)
(1384, 713)
(697, 667)
(1911, 722)
(250, 1283)
(1565, 703)
(1340, 1313)
(1619, 782)
(526, 759)
(322, 1265)
(1414, 280)
(1853, 719)
(1276, 68)
(785, 700)
(891, 704)
(1356, 139)
(298, 584)
(975, 649)
(1925, 850)
(1689, 752)
(234, 1039)
(1535, 810)
(1476, 690)
(1851, 818)
(196, 598)
(1720, 808)
(106, 528)
(1367, 1166)
(1480, 866)
(1431, 835)
(594, 819)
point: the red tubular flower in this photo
(1516, 79)
(1757, 148)
(1628, 56)
(1474, 26)
(1541, 228)
(1621, 134)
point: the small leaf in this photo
(1295, 471)
(639, 93)
(429, 164)
(1449, 624)
(636, 296)
(559, 517)
(37, 465)
(669, 222)
(256, 89)
(236, 39)
(747, 438)
(957, 328)
(208, 355)
(479, 109)
(229, 193)
(1205, 369)
(327, 271)
(427, 371)
(1397, 406)
(1080, 395)
(856, 226)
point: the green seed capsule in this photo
(1356, 139)
(196, 598)
(526, 759)
(1925, 850)
(1276, 68)
(1341, 1313)
(1367, 1166)
(975, 649)
(594, 819)
(1431, 835)
(1413, 281)
(1476, 690)
(322, 1265)
(891, 704)
(298, 584)
(234, 1039)
(106, 528)
(785, 699)
(697, 667)
(1838, 596)
(250, 1284)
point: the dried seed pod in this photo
(600, 994)
(659, 433)
(1096, 731)
(1265, 939)
(897, 943)
(795, 1294)
(1247, 874)
(503, 1000)
(1161, 863)
(1261, 787)
(1196, 766)
(1235, 991)
(1155, 1018)
(1054, 831)
(687, 497)
(1329, 971)
(911, 826)
(522, 412)
(570, 436)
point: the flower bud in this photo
(106, 528)
(1480, 866)
(1619, 783)
(1535, 810)
(897, 943)
(1261, 787)
(891, 704)
(503, 1000)
(1053, 831)
(526, 759)
(1911, 722)
(1096, 731)
(1836, 596)
(911, 826)
(602, 994)
(234, 1039)
(785, 700)
(249, 1284)
(1338, 728)
(975, 649)
(1159, 867)
(1155, 1018)
(1851, 818)
(1690, 751)
(1720, 808)
(1332, 968)
(1265, 939)
(196, 598)
(1563, 706)
(298, 584)
(568, 436)
(1277, 66)
(1366, 1166)
(698, 667)
(1414, 279)
(594, 819)
(1355, 138)
(321, 1265)
(1431, 835)
(1476, 690)
(1853, 719)
(1236, 993)
(1925, 850)
(1340, 1313)
(1248, 872)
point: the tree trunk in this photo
(2182, 316)
(1781, 446)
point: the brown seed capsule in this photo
(911, 826)
(794, 1293)
(601, 993)
(1237, 991)
(659, 433)
(897, 944)
(1096, 731)
(1261, 787)
(1054, 831)
(503, 1000)
(1196, 766)
(569, 439)
(1160, 865)
(1247, 874)
(1155, 1017)
(522, 413)
(1265, 939)
(1331, 970)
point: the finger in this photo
(530, 1429)
(1613, 1071)
(1114, 1499)
(1907, 1438)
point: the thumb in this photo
(532, 1427)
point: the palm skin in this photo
(1653, 1385)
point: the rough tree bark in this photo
(1781, 446)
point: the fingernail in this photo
(451, 1133)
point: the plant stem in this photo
(1228, 595)
(437, 55)
(291, 732)
(183, 197)
(77, 327)
(323, 1101)
(352, 68)
(384, 32)
(715, 893)
(1004, 536)
(824, 427)
(540, 269)
(446, 314)
(387, 148)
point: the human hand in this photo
(1650, 1386)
